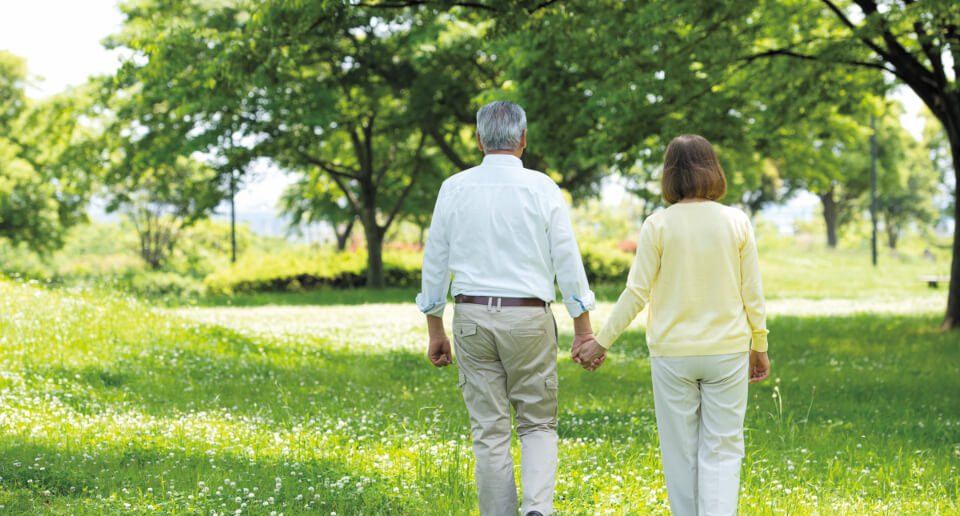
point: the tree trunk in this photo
(233, 219)
(374, 235)
(952, 318)
(830, 217)
(892, 236)
(343, 238)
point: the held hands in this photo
(759, 366)
(587, 352)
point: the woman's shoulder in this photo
(734, 212)
(712, 208)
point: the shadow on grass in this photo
(210, 368)
(139, 477)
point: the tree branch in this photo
(926, 42)
(358, 150)
(368, 143)
(953, 37)
(908, 68)
(354, 203)
(547, 3)
(383, 170)
(409, 187)
(447, 149)
(846, 21)
(337, 176)
(23, 154)
(415, 3)
(843, 17)
(326, 165)
(807, 57)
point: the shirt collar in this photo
(502, 160)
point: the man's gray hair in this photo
(500, 125)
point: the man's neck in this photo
(514, 153)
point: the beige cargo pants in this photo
(508, 357)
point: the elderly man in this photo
(504, 233)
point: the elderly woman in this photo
(697, 268)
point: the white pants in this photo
(700, 403)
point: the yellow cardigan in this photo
(697, 267)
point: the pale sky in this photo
(61, 41)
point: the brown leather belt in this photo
(503, 301)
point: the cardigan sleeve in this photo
(635, 296)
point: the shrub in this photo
(162, 284)
(605, 263)
(295, 271)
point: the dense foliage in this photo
(372, 104)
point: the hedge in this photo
(294, 272)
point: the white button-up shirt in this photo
(502, 230)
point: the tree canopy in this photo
(49, 159)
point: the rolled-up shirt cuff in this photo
(434, 307)
(576, 305)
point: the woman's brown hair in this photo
(691, 169)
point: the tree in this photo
(907, 181)
(162, 201)
(937, 149)
(183, 92)
(608, 84)
(367, 98)
(393, 102)
(906, 39)
(48, 159)
(643, 68)
(315, 199)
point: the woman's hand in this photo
(759, 366)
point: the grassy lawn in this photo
(112, 407)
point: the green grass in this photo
(111, 407)
(818, 273)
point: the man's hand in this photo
(759, 366)
(439, 352)
(589, 353)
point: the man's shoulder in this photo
(457, 178)
(540, 180)
(527, 176)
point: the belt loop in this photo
(489, 304)
(499, 299)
